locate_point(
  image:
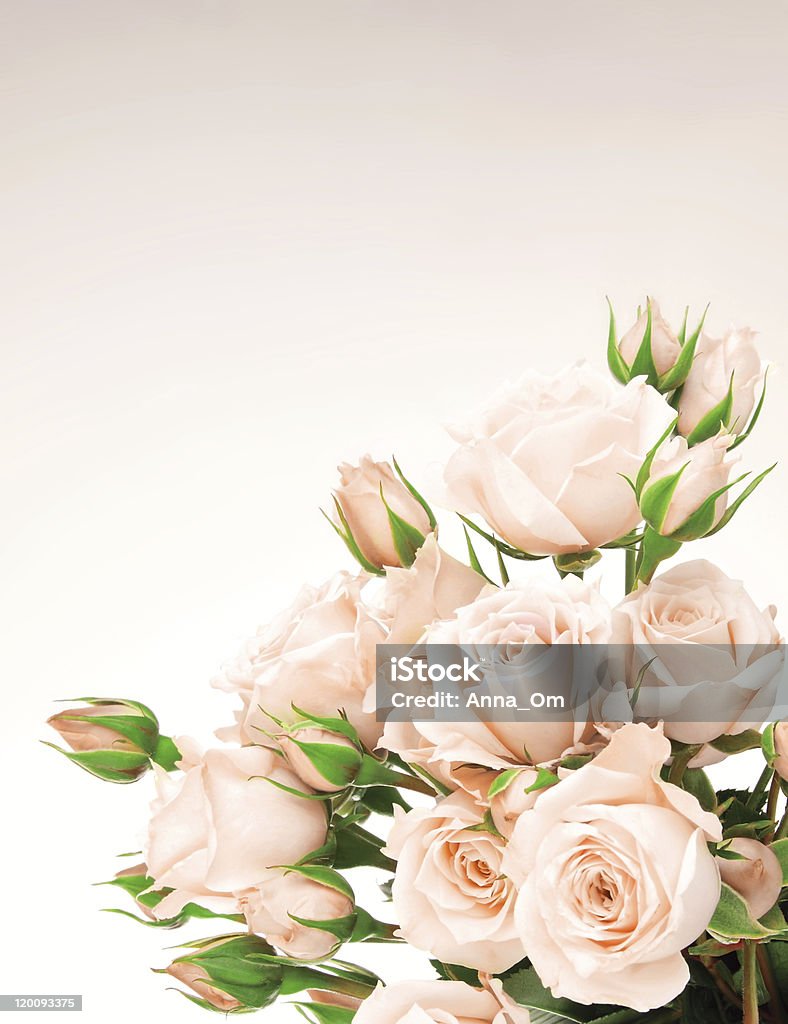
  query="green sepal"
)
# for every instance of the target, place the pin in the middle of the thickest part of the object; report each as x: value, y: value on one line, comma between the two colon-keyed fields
x: 697, y: 782
x: 732, y: 919
x: 338, y: 765
x: 677, y: 375
x: 325, y: 797
x: 166, y: 755
x: 507, y: 549
x: 473, y: 558
x: 502, y: 782
x: 504, y: 572
x: 340, y: 927
x: 407, y: 538
x: 320, y: 1013
x: 702, y: 521
x: 750, y: 739
x: 323, y: 875
x: 350, y: 542
x: 732, y: 509
x: 615, y: 360
x: 657, y: 496
x: 142, y: 731
x: 414, y: 493
x: 645, y: 470
x: 355, y: 847
x: 241, y: 965
x: 780, y: 850
x: 338, y: 725
x: 654, y: 550
x: 576, y: 563
x: 121, y: 766
x: 643, y: 364
x: 544, y: 779
x: 714, y: 420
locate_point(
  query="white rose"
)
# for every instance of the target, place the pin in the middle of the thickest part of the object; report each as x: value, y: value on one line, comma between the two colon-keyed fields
x: 512, y: 619
x: 218, y: 828
x: 319, y: 654
x: 615, y: 877
x: 716, y: 657
x: 440, y: 1002
x: 270, y: 909
x: 705, y: 469
x: 665, y: 346
x: 543, y: 463
x: 716, y: 361
x: 449, y: 892
x: 358, y: 495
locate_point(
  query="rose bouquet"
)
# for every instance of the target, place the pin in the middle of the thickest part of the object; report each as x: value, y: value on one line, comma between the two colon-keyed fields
x: 570, y: 860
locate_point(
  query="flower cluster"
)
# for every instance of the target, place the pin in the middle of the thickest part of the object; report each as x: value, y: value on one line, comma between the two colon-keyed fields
x: 570, y: 867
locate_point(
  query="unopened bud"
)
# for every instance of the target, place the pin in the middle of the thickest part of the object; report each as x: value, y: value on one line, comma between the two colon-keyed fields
x: 231, y: 973
x: 758, y: 878
x: 112, y: 739
x: 324, y: 760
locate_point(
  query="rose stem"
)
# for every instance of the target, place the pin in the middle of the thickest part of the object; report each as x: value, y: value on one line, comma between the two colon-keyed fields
x: 767, y: 972
x: 750, y: 983
x: 774, y: 793
x: 630, y: 569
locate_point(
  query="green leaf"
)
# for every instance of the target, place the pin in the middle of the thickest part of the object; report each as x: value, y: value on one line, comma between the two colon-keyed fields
x: 734, y: 508
x: 422, y: 501
x: 714, y: 420
x: 407, y: 539
x: 732, y: 919
x: 677, y: 375
x: 780, y: 849
x: 697, y: 782
x: 358, y: 848
x: 615, y: 360
x: 525, y: 988
x: 750, y: 739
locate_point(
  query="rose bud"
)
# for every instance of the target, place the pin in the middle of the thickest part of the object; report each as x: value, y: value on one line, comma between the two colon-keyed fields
x: 112, y: 739
x: 324, y: 760
x: 758, y: 878
x: 306, y: 912
x: 229, y: 974
x: 665, y: 345
x: 511, y: 794
x: 721, y: 387
x: 381, y: 518
x: 336, y: 999
x: 685, y: 495
x: 135, y: 881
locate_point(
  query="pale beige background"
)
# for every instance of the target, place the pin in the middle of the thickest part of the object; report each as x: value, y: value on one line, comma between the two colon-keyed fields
x: 244, y: 240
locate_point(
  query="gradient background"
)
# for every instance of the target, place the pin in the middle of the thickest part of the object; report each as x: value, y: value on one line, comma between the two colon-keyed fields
x: 245, y: 240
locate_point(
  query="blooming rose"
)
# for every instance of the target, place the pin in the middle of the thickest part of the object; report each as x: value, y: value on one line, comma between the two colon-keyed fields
x: 449, y: 892
x: 544, y: 462
x: 615, y: 877
x: 704, y: 469
x: 716, y: 361
x: 715, y: 656
x: 219, y: 827
x: 319, y: 654
x: 434, y: 587
x: 505, y: 624
x: 270, y: 909
x: 665, y: 346
x: 440, y: 1002
x: 757, y: 878
x: 358, y: 495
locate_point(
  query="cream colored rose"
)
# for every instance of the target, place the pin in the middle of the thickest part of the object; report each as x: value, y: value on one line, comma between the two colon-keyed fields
x: 705, y: 469
x: 319, y: 654
x: 757, y: 878
x: 358, y: 495
x: 544, y: 462
x: 303, y: 747
x: 505, y: 624
x: 433, y: 588
x: 439, y: 1002
x: 665, y: 346
x: 449, y: 892
x: 781, y: 749
x: 715, y: 656
x: 615, y: 877
x: 716, y: 360
x: 197, y: 979
x: 218, y: 828
x: 270, y: 909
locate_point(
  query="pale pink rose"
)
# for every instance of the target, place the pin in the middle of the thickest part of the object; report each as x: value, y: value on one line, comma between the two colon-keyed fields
x: 270, y: 907
x: 706, y: 469
x: 358, y: 495
x: 716, y: 359
x: 544, y: 461
x: 451, y: 897
x: 434, y: 587
x: 516, y: 617
x: 781, y: 749
x: 87, y: 736
x: 319, y: 654
x: 615, y: 877
x: 758, y: 879
x: 198, y: 981
x: 440, y: 1002
x: 218, y: 828
x: 718, y: 656
x: 665, y: 346
x: 342, y: 751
